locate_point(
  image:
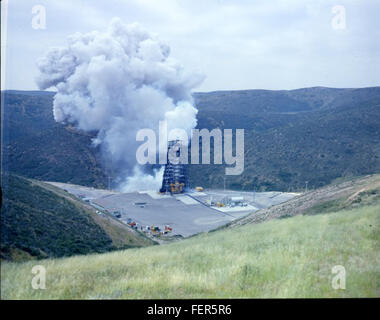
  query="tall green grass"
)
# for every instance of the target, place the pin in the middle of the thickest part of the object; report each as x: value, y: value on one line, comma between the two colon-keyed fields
x: 279, y: 259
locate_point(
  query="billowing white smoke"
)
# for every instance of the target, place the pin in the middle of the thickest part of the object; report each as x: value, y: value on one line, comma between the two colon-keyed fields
x: 115, y: 83
x: 140, y: 181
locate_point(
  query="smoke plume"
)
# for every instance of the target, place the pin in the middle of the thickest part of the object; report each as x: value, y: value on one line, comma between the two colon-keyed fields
x: 115, y: 83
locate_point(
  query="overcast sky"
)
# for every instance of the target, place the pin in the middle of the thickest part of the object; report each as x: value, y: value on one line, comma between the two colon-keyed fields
x: 237, y: 44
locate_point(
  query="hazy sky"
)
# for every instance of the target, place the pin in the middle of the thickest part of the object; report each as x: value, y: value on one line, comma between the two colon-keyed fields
x: 237, y: 44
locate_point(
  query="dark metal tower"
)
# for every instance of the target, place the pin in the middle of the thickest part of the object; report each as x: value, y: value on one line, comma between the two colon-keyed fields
x: 175, y: 179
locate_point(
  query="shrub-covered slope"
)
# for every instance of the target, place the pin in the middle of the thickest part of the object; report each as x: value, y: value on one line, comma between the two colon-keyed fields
x: 38, y: 223
x: 35, y: 146
x: 311, y: 135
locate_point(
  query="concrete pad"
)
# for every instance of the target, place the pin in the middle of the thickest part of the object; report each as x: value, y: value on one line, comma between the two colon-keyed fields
x: 187, y: 214
x: 160, y: 212
x: 236, y: 209
x: 197, y: 194
x: 187, y: 200
x: 82, y: 191
x: 154, y: 194
x: 211, y: 220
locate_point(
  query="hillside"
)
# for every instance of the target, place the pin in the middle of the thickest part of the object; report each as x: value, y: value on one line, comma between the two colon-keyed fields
x: 281, y: 258
x: 40, y: 221
x: 34, y: 145
x: 352, y: 193
x: 311, y: 135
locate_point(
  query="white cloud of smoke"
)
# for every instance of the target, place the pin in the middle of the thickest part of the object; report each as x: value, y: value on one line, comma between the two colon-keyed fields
x: 115, y: 83
x: 140, y: 181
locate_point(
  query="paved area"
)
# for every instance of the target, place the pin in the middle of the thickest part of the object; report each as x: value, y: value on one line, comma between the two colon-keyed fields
x: 258, y: 200
x: 83, y: 192
x: 187, y: 214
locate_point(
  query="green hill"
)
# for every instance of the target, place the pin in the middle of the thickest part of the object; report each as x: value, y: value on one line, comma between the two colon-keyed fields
x: 40, y: 221
x: 35, y: 146
x: 280, y: 258
x: 312, y: 135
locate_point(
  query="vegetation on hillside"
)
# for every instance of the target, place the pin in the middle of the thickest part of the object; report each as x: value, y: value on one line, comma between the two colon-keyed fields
x: 38, y: 221
x: 292, y: 138
x: 35, y: 146
x: 282, y: 258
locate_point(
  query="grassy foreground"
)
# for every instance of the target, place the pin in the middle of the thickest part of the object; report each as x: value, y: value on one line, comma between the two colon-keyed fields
x: 290, y: 257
